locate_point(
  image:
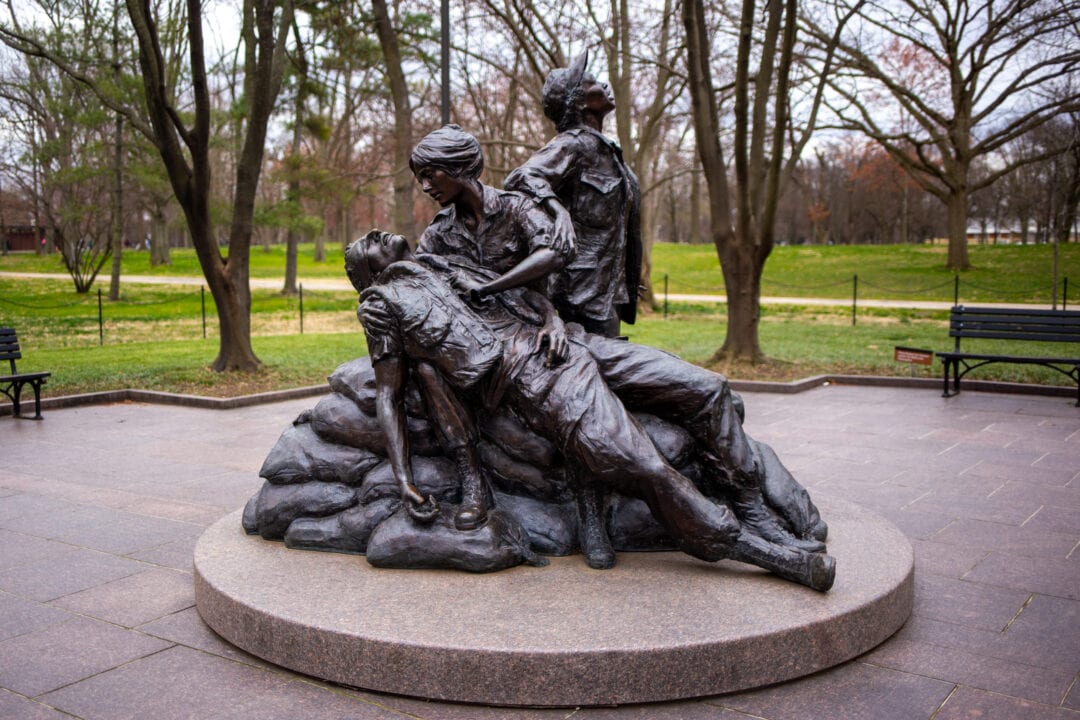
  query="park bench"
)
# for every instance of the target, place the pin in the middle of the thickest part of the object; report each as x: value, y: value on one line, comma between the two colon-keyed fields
x: 12, y: 385
x: 1011, y: 324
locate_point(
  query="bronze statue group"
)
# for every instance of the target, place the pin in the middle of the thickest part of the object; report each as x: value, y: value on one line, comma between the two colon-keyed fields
x: 501, y: 331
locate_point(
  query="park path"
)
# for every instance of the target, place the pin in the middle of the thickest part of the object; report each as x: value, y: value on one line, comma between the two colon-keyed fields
x: 328, y: 284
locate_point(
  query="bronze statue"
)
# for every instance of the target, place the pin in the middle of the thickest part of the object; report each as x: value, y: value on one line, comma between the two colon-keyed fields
x: 581, y: 178
x: 474, y: 378
x: 492, y: 352
x: 505, y: 233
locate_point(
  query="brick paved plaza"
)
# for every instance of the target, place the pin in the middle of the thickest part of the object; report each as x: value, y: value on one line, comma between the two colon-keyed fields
x: 100, y: 508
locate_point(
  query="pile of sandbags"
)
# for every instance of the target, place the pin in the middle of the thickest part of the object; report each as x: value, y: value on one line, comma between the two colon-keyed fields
x: 329, y: 487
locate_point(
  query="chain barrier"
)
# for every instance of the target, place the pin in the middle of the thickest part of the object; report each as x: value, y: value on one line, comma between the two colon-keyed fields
x: 335, y: 297
x: 146, y: 303
x: 900, y: 291
x: 43, y: 307
x: 854, y: 282
x: 822, y: 286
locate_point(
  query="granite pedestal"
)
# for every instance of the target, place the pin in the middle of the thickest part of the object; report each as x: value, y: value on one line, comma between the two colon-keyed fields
x: 659, y: 626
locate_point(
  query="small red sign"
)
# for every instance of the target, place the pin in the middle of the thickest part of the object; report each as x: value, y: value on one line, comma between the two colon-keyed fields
x: 913, y: 355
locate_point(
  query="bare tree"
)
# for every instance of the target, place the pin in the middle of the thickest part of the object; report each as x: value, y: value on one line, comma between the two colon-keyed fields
x: 399, y: 92
x: 63, y: 133
x: 940, y: 84
x: 183, y: 141
x: 744, y: 235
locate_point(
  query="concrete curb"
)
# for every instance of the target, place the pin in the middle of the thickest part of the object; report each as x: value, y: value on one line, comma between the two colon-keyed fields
x: 785, y: 388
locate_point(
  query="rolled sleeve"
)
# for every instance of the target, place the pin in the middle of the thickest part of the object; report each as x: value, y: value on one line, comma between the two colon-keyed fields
x: 542, y: 174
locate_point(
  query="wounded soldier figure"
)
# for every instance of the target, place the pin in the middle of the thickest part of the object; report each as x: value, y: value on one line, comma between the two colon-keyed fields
x: 510, y: 350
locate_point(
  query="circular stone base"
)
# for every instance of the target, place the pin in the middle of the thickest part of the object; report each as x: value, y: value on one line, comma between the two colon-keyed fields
x: 659, y: 626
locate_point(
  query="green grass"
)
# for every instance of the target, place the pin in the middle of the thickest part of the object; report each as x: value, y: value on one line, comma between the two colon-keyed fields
x: 264, y: 263
x: 1000, y: 273
x: 153, y: 336
x: 182, y: 366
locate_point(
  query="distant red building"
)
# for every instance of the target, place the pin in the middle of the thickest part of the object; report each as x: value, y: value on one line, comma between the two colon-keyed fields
x: 22, y: 237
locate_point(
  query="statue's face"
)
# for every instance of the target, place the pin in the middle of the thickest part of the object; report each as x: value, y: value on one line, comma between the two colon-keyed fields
x: 368, y: 257
x: 596, y: 96
x: 439, y: 185
x: 385, y: 250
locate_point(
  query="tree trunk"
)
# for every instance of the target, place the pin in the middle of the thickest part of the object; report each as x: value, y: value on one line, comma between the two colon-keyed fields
x: 292, y: 245
x: 190, y: 180
x: 742, y: 277
x: 957, y: 212
x: 694, y: 233
x: 292, y: 241
x: 399, y: 91
x: 117, y: 238
x: 159, y: 241
x: 234, y: 317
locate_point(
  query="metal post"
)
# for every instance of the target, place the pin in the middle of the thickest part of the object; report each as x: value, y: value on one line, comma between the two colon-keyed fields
x: 956, y: 290
x: 100, y: 320
x: 301, y: 308
x: 854, y: 296
x: 1065, y: 293
x: 665, y: 296
x: 202, y: 296
x: 445, y: 95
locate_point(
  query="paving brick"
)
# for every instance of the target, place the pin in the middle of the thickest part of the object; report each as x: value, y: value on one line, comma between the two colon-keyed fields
x: 68, y: 652
x: 176, y: 555
x: 19, y: 616
x: 1055, y: 519
x: 135, y: 599
x: 968, y: 703
x: 1011, y: 539
x: 947, y: 560
x: 1041, y: 575
x: 855, y: 690
x: 1038, y: 684
x: 16, y: 509
x: 211, y: 687
x: 966, y: 603
x: 985, y: 509
x: 22, y: 549
x: 1034, y: 474
x: 1061, y: 460
x: 917, y: 524
x: 17, y: 707
x: 187, y: 628
x: 1047, y: 627
x: 75, y: 571
x: 119, y: 532
x: 1072, y: 700
x: 1066, y: 496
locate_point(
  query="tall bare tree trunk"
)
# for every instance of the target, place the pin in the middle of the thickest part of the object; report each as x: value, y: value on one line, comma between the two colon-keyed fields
x: 399, y: 92
x: 956, y: 208
x: 118, y: 205
x: 159, y: 239
x: 292, y: 240
x: 758, y: 150
x: 742, y: 278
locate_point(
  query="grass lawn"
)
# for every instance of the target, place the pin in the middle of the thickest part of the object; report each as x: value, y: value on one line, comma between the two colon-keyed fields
x: 1000, y: 273
x: 153, y: 336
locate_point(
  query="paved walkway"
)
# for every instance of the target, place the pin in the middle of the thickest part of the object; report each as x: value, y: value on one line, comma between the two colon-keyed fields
x: 100, y: 508
x: 342, y: 285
